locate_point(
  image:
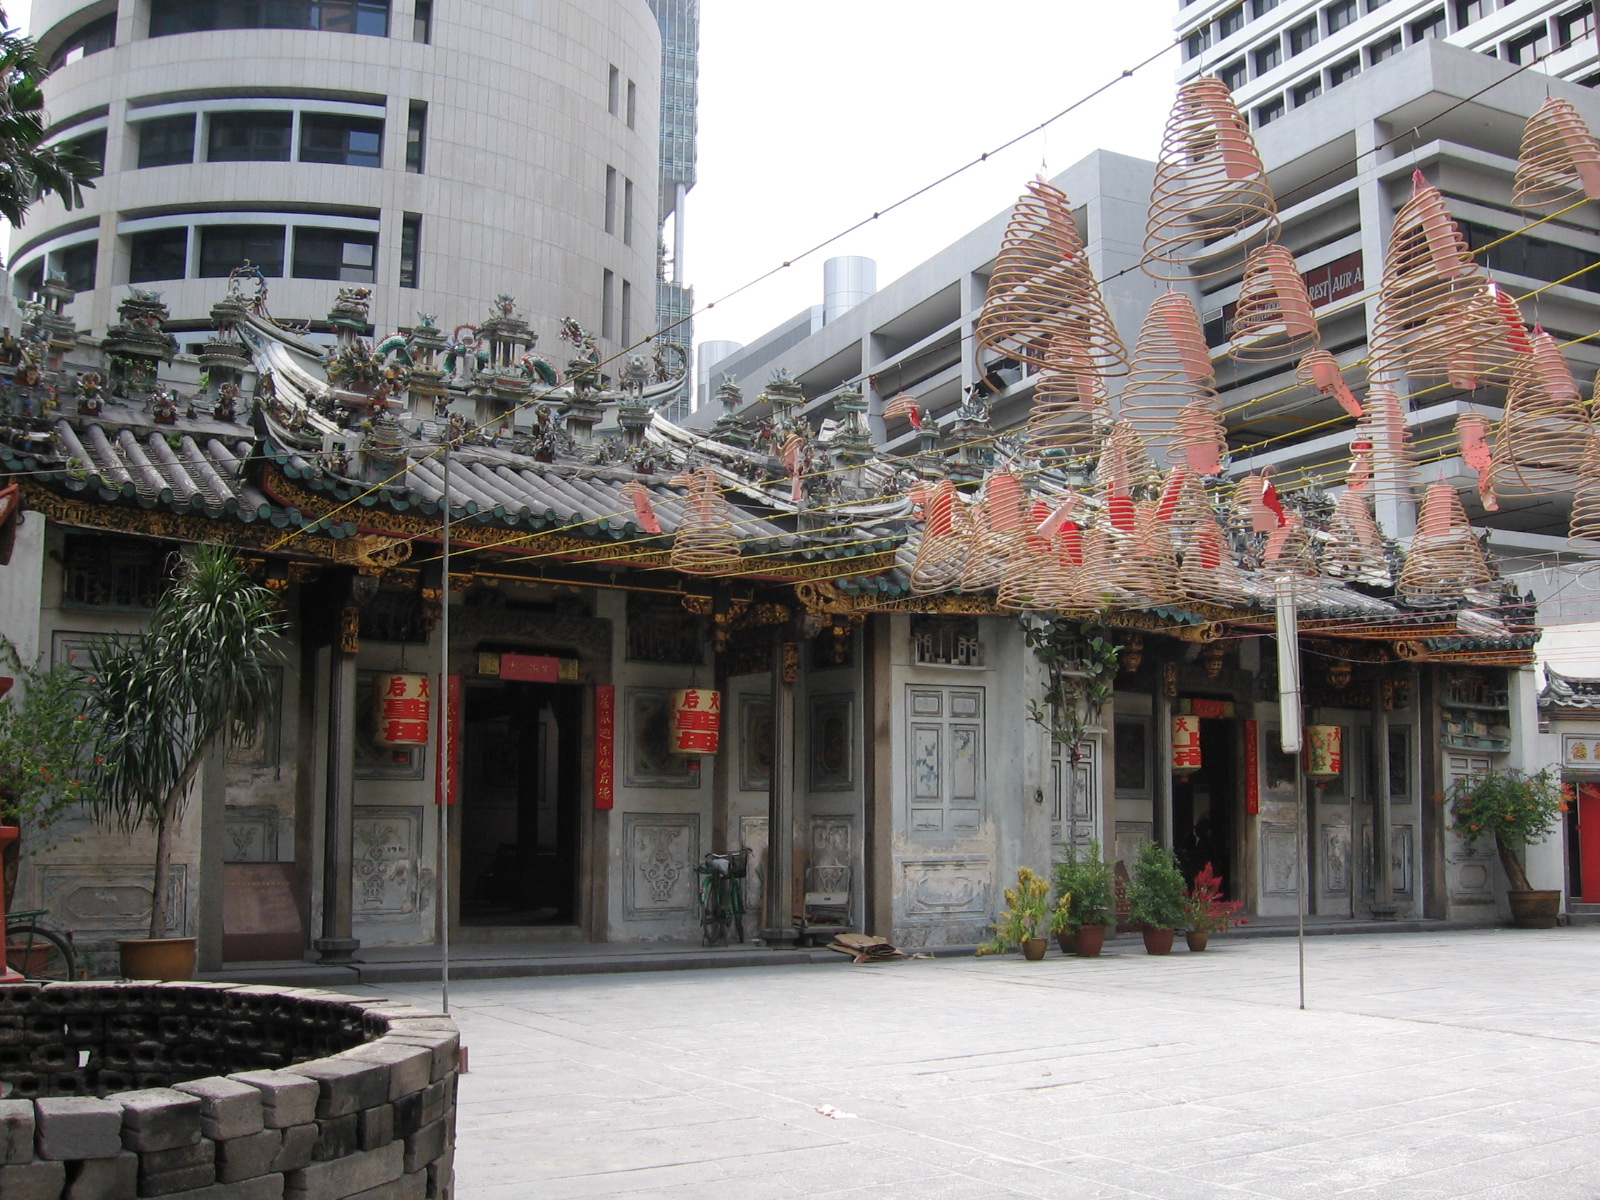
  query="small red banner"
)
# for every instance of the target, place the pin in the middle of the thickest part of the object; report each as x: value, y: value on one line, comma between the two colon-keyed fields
x: 1210, y: 708
x: 447, y: 773
x: 538, y: 668
x: 605, y: 739
x: 1252, y: 768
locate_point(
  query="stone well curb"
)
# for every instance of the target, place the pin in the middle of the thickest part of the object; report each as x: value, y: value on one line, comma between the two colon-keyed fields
x: 207, y: 1091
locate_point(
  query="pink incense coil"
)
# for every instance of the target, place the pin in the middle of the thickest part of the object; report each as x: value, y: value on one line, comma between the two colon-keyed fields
x: 1540, y: 442
x: 1383, y: 438
x: 1559, y: 161
x: 1289, y: 549
x: 1583, y: 530
x: 1171, y: 372
x: 1124, y: 464
x: 1042, y: 297
x: 1209, y: 186
x: 1494, y: 340
x: 1069, y: 410
x: 1208, y: 571
x: 1424, y: 316
x: 643, y: 510
x: 1354, y: 549
x: 1035, y: 576
x: 1273, y: 320
x: 1445, y: 562
x: 705, y: 543
x: 1473, y: 432
x: 943, y: 548
x: 1320, y: 370
x: 999, y: 534
x: 904, y: 407
x: 1143, y: 565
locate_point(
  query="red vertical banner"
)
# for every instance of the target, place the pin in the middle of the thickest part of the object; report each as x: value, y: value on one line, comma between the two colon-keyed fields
x: 605, y: 744
x: 1252, y: 768
x: 447, y: 773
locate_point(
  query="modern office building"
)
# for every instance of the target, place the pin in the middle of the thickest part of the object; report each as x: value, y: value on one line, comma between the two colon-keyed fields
x: 437, y: 154
x: 680, y: 96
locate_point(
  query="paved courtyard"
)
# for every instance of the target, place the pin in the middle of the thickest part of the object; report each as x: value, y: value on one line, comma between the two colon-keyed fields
x: 1443, y: 1065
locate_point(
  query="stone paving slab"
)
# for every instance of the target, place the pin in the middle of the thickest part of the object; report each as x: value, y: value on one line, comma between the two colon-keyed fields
x: 1448, y: 1065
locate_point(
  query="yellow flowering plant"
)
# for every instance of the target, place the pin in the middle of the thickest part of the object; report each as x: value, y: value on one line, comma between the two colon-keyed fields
x: 1027, y: 913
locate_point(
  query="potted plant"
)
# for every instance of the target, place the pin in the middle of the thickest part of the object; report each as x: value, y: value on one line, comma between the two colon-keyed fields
x: 197, y: 678
x: 1156, y: 896
x: 1025, y: 919
x: 1517, y: 808
x: 1086, y: 882
x: 1206, y: 911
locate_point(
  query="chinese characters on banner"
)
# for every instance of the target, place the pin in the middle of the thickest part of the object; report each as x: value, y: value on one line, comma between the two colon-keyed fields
x: 1252, y: 768
x: 1324, y: 751
x: 605, y: 744
x: 447, y: 775
x: 1185, y: 743
x: 696, y: 721
x: 404, y: 709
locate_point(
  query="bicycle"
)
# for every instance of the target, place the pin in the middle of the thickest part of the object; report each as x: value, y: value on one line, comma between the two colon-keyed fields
x: 37, y: 951
x: 722, y: 895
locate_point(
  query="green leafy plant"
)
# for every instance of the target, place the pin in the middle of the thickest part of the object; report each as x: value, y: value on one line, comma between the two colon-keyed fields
x: 1515, y: 806
x: 199, y: 676
x: 32, y: 169
x: 1156, y: 891
x: 1080, y: 666
x: 1026, y: 916
x: 1089, y: 883
x: 1205, y: 909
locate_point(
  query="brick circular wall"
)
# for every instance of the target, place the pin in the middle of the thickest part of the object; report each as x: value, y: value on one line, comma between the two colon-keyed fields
x: 110, y: 1091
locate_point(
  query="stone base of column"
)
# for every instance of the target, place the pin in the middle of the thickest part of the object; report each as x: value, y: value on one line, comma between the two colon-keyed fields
x: 336, y: 949
x: 1385, y: 912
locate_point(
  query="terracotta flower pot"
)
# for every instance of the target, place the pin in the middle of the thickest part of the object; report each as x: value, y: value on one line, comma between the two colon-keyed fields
x: 1067, y: 939
x: 157, y: 958
x: 1033, y: 948
x: 1090, y: 939
x: 1534, y: 910
x: 1157, y: 941
x: 1196, y: 939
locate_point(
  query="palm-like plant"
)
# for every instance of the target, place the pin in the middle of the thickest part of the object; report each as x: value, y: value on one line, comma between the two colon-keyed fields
x: 29, y: 168
x: 198, y: 676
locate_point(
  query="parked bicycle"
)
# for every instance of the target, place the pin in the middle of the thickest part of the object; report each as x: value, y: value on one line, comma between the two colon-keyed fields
x: 37, y: 950
x: 722, y: 896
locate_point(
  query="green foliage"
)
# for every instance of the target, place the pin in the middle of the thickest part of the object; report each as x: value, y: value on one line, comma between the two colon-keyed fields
x: 1080, y: 664
x: 1156, y: 892
x: 1089, y: 883
x: 1027, y: 914
x: 28, y: 168
x: 46, y: 742
x: 1515, y: 806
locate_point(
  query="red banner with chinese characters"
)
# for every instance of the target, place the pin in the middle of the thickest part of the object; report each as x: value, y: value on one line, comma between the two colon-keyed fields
x: 696, y: 721
x: 1252, y: 768
x: 404, y: 708
x: 538, y: 668
x: 605, y: 744
x: 447, y: 774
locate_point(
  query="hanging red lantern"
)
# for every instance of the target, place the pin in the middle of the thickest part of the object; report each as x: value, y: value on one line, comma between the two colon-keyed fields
x: 1186, y: 744
x: 1324, y: 753
x: 404, y: 710
x: 696, y: 721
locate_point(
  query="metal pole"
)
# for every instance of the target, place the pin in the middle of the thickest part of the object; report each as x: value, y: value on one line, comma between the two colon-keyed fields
x: 443, y: 765
x: 1291, y: 718
x: 1300, y: 867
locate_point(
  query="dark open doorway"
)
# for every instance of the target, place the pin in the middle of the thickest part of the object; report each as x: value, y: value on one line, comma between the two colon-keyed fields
x: 520, y: 807
x: 1203, y: 803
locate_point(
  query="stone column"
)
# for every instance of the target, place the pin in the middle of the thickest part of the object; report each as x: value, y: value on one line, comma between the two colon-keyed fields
x: 780, y: 799
x: 337, y: 943
x: 1383, y: 905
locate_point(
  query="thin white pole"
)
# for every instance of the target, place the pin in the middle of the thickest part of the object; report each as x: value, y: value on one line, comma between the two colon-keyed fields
x: 443, y: 765
x: 1291, y: 719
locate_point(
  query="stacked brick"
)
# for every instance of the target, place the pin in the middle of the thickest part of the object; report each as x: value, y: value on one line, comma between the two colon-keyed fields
x: 103, y: 1095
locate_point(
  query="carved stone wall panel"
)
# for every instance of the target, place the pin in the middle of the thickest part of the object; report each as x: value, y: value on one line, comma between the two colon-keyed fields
x: 832, y: 839
x: 1280, y: 859
x: 660, y: 852
x: 252, y: 832
x: 945, y: 887
x: 1130, y: 835
x: 1471, y: 872
x: 103, y: 901
x: 1334, y: 864
x: 753, y: 833
x: 387, y: 852
x: 1402, y: 839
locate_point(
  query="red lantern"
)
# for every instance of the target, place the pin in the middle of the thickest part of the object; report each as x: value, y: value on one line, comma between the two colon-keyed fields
x: 404, y: 710
x: 1185, y: 744
x: 1324, y: 752
x: 696, y: 721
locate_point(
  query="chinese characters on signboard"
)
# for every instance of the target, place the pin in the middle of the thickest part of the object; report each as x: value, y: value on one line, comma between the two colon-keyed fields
x: 605, y: 744
x: 1185, y: 743
x: 448, y: 773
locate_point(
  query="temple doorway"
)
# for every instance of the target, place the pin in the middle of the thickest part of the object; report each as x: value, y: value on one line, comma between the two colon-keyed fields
x: 1203, y: 807
x: 520, y: 804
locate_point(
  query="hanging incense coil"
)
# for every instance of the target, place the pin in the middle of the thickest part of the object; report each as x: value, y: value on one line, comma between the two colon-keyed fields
x: 1273, y: 320
x: 1207, y: 570
x: 998, y: 534
x: 1354, y: 549
x: 1494, y: 341
x: 1169, y: 394
x: 943, y: 548
x: 1583, y: 531
x: 1209, y: 186
x: 1069, y: 406
x: 1034, y: 576
x: 1472, y: 431
x: 1124, y: 464
x: 705, y: 542
x: 1559, y: 161
x: 1429, y: 280
x: 1382, y: 458
x: 1321, y: 370
x: 1540, y: 442
x: 1289, y: 549
x: 1446, y: 561
x: 1042, y: 291
x: 1144, y: 565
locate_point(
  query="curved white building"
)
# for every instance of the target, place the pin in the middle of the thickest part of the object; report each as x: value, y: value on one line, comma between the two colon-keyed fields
x: 495, y: 146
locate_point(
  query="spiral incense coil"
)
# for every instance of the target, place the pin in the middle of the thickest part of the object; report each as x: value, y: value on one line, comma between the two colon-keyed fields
x: 999, y: 534
x: 1321, y: 370
x: 1209, y: 185
x: 1424, y: 316
x: 1559, y: 161
x: 1383, y: 460
x: 1184, y: 506
x: 1273, y: 320
x: 943, y: 548
x: 1494, y: 344
x: 1087, y: 566
x: 1144, y: 566
x: 1124, y: 464
x: 705, y: 543
x: 1354, y: 549
x: 1289, y: 549
x: 1069, y: 406
x: 904, y: 406
x: 1540, y: 443
x: 1033, y: 574
x: 1169, y: 394
x: 1042, y: 290
x: 1445, y: 561
x: 1583, y: 531
x: 1207, y: 571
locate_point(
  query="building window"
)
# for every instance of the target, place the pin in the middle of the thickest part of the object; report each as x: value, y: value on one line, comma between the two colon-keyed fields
x: 608, y: 304
x: 76, y: 265
x: 1343, y: 72
x: 422, y: 22
x: 614, y: 92
x: 611, y: 201
x: 1340, y: 14
x: 627, y: 313
x: 1429, y: 27
x: 91, y: 39
x: 1269, y: 112
x: 1575, y: 25
x: 335, y: 254
x: 1309, y: 90
x: 1383, y: 48
x: 1302, y: 37
x: 1230, y: 22
x: 1532, y: 257
x: 1267, y: 57
x: 158, y: 254
x: 248, y: 136
x: 370, y: 17
x: 345, y: 141
x: 91, y: 146
x: 660, y: 630
x: 627, y: 212
x: 1530, y: 47
x: 633, y: 103
x: 1197, y: 42
x: 410, y: 248
x: 1468, y: 11
x: 1260, y: 8
x: 1233, y: 75
x: 114, y: 572
x: 416, y: 135
x: 224, y: 247
x: 166, y: 140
